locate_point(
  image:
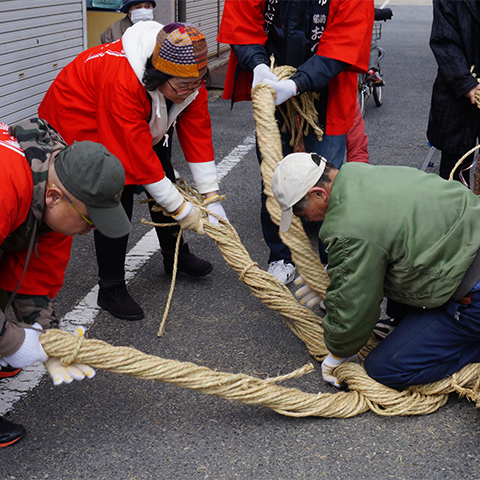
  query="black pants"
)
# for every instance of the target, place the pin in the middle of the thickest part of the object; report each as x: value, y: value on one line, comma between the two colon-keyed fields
x: 111, y: 252
x: 448, y: 161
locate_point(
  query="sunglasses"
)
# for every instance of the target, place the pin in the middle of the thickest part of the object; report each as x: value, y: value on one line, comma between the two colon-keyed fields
x: 90, y: 223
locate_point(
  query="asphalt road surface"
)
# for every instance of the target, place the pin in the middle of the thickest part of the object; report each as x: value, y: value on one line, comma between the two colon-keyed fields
x: 117, y: 427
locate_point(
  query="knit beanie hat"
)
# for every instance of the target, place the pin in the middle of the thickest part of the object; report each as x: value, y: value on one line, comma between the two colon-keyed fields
x: 129, y: 3
x: 180, y: 51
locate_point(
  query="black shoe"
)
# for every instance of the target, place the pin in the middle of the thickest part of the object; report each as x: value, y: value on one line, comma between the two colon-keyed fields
x: 384, y: 328
x: 7, y: 372
x: 10, y: 433
x: 187, y: 263
x: 114, y: 298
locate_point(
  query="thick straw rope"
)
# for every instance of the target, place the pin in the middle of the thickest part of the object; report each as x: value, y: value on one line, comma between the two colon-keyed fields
x: 365, y: 393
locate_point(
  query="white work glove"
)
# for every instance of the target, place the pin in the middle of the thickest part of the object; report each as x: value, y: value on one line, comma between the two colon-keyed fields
x: 260, y: 73
x: 330, y: 364
x: 285, y: 89
x: 75, y: 371
x: 31, y: 350
x: 217, y: 209
x: 306, y: 296
x: 190, y: 218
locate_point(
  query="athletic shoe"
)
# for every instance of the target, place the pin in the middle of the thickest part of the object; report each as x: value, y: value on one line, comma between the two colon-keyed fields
x: 10, y: 433
x: 284, y: 272
x: 8, y: 371
x: 384, y: 328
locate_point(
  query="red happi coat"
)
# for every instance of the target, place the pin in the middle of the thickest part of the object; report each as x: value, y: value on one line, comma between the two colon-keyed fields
x: 46, y: 268
x: 346, y: 38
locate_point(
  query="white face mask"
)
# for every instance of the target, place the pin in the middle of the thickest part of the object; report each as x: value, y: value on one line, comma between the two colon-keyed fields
x: 141, y: 15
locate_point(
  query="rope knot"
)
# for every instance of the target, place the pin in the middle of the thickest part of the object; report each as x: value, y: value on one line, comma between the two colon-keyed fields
x: 245, y: 269
x: 471, y: 393
x: 76, y: 345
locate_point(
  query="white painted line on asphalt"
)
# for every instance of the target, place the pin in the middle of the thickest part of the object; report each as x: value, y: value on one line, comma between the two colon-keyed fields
x: 234, y: 157
x: 84, y: 314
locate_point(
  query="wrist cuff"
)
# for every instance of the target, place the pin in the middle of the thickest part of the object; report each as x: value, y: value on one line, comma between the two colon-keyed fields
x: 205, y: 176
x: 187, y: 208
x: 165, y: 194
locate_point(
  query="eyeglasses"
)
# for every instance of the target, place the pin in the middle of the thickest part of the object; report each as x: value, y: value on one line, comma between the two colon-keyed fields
x: 90, y: 223
x: 181, y: 91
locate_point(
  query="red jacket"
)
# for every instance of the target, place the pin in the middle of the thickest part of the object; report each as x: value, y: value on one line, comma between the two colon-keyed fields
x: 46, y: 268
x: 98, y: 97
x: 346, y: 38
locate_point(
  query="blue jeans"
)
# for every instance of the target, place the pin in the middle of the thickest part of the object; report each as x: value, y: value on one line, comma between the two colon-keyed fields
x: 332, y: 147
x: 428, y: 345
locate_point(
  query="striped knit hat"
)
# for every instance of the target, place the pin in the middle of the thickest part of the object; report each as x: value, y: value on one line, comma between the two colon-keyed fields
x: 180, y: 51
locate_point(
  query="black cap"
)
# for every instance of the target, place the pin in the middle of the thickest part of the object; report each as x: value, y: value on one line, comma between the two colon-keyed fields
x: 92, y: 174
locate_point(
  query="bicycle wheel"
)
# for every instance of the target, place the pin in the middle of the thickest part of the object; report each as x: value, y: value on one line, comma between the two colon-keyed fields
x: 361, y: 95
x: 377, y: 95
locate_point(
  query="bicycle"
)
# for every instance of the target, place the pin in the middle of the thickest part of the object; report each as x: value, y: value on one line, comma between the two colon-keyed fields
x: 367, y: 88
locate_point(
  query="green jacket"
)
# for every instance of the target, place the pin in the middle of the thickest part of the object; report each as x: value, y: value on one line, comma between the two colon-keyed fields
x: 395, y: 232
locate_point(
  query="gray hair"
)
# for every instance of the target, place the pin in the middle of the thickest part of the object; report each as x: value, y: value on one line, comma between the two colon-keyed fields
x: 323, y: 181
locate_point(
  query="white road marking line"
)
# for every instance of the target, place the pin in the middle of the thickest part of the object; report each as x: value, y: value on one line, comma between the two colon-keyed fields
x: 84, y: 314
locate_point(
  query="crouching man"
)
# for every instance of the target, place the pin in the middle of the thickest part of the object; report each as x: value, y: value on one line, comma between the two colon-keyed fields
x: 50, y: 191
x: 396, y: 232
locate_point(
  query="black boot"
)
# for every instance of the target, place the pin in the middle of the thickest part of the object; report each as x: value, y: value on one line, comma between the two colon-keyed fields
x: 187, y: 262
x: 10, y: 432
x: 114, y: 298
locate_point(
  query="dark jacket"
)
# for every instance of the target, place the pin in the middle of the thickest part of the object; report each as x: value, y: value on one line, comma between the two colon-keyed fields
x: 455, y: 42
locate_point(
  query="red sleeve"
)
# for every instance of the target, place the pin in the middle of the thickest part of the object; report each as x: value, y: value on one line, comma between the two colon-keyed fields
x: 348, y: 33
x: 194, y: 130
x: 17, y: 184
x: 357, y: 140
x: 243, y: 22
x: 45, y: 273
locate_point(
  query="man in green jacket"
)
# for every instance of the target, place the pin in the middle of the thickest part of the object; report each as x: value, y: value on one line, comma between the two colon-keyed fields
x: 400, y: 233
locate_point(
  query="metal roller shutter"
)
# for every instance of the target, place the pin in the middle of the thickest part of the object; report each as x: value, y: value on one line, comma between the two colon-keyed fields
x: 206, y: 15
x: 37, y: 40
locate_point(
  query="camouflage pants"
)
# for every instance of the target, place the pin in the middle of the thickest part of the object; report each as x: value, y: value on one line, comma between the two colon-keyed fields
x: 31, y: 308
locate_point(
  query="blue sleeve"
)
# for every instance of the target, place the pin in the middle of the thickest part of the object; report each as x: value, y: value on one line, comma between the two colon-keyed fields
x: 249, y: 56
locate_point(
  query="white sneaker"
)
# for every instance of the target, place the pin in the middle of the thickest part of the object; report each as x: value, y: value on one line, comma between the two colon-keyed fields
x: 285, y: 272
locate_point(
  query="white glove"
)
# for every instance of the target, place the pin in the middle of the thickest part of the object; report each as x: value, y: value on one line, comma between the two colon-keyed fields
x: 190, y: 218
x: 75, y: 371
x: 329, y: 365
x: 285, y: 89
x: 217, y: 209
x: 61, y: 374
x: 260, y: 73
x: 306, y: 296
x: 31, y: 350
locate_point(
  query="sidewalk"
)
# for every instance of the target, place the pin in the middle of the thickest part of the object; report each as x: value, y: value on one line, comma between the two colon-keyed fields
x: 217, y: 77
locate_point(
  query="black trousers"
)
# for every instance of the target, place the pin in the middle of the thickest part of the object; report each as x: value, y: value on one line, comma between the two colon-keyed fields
x: 111, y: 252
x: 448, y: 161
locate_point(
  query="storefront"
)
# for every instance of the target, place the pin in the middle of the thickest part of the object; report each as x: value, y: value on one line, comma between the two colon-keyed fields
x: 37, y: 39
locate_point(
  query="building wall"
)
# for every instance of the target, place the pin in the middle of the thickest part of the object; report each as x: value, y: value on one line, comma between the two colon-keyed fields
x: 38, y: 38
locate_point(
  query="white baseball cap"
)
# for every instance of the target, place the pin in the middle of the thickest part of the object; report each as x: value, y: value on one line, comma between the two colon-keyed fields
x: 293, y: 177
